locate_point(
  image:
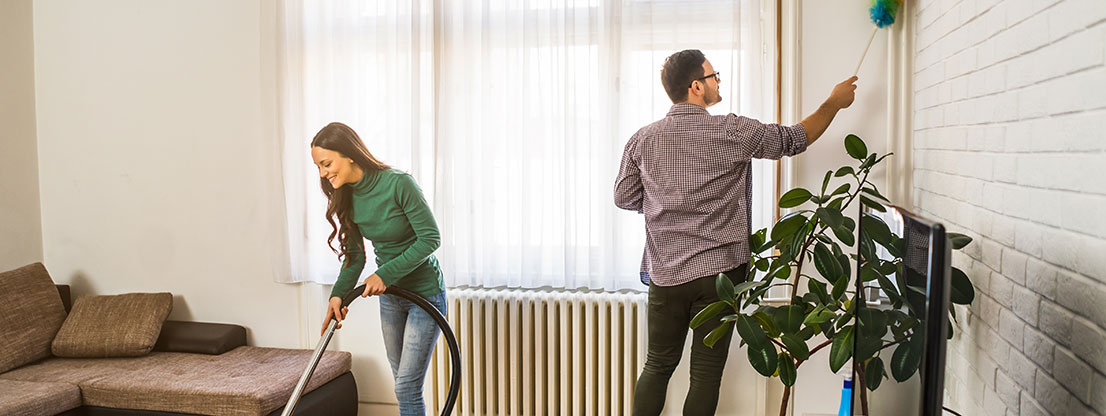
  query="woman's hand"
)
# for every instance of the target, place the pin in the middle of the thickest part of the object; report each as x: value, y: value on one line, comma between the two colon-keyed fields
x: 374, y: 285
x: 336, y: 311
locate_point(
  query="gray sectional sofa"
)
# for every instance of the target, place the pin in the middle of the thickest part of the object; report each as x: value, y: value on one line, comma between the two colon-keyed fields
x: 194, y: 368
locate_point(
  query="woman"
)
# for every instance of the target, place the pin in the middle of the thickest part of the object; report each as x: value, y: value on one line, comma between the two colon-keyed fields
x: 370, y: 200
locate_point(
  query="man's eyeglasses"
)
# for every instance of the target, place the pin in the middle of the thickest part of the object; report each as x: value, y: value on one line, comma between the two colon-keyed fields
x: 717, y: 78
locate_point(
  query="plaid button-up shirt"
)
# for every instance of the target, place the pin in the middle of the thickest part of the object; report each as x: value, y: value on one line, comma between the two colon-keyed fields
x: 690, y: 174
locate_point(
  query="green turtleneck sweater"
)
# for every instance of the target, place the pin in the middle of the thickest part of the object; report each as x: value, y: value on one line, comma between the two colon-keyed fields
x: 390, y: 211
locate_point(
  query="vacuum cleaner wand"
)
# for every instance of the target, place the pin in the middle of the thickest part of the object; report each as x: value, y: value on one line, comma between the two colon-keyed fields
x: 447, y: 332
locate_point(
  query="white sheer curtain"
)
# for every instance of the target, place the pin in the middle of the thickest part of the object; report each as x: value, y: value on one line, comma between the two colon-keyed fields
x: 366, y: 64
x: 512, y: 116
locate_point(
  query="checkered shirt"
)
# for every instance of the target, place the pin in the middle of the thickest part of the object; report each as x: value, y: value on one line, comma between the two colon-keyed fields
x: 690, y: 174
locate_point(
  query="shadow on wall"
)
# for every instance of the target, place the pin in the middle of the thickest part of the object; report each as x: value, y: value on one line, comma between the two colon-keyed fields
x: 181, y: 312
x: 81, y: 285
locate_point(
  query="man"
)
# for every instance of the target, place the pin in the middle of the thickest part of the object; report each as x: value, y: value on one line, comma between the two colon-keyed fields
x: 690, y: 174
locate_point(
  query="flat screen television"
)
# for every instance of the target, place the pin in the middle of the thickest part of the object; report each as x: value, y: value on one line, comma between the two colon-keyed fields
x: 902, y: 281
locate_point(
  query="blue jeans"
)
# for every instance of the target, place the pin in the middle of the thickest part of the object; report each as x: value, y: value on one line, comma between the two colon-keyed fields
x: 409, y: 337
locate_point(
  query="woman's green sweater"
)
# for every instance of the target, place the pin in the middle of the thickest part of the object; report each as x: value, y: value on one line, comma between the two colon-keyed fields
x: 390, y: 211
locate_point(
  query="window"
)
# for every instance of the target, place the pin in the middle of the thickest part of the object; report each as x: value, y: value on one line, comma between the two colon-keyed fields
x: 512, y: 116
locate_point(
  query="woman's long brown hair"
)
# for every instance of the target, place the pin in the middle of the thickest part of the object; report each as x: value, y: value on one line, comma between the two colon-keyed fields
x: 341, y: 138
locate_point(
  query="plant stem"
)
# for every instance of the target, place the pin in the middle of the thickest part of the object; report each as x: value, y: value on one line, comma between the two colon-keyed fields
x: 859, y: 186
x: 799, y: 268
x: 801, y: 258
x: 795, y: 288
x: 814, y: 236
x: 820, y: 346
x: 863, y: 385
x: 782, y: 347
x: 786, y: 397
x: 893, y: 343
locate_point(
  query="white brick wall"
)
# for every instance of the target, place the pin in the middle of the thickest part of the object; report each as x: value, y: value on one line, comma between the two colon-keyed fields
x: 1010, y: 148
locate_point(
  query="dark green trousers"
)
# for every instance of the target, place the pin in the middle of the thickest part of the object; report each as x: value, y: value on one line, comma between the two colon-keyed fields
x: 670, y: 311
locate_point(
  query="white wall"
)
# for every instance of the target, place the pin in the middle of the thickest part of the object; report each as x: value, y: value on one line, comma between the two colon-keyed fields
x: 20, y: 224
x: 157, y: 172
x: 160, y: 169
x: 1009, y: 145
x: 833, y: 36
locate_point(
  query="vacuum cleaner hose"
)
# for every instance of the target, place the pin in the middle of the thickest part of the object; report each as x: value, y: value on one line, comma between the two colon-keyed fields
x: 447, y: 332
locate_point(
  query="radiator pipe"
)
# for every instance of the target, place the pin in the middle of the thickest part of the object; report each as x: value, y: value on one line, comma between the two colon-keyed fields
x: 447, y: 332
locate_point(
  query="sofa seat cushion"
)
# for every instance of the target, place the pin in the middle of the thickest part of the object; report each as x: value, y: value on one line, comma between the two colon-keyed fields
x: 31, y: 313
x: 243, y: 381
x: 28, y: 398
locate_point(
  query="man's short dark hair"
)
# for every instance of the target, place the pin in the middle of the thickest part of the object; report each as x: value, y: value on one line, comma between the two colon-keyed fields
x: 679, y: 71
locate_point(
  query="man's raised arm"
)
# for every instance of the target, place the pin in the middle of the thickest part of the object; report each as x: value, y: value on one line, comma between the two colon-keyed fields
x: 841, y: 98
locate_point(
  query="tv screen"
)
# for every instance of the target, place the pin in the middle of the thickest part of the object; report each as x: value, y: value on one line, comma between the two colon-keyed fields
x: 901, y: 313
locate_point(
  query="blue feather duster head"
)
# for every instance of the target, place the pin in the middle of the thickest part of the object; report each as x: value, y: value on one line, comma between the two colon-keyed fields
x: 883, y: 12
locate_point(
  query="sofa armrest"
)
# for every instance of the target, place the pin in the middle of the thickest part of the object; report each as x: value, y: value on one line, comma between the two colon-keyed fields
x: 200, y: 337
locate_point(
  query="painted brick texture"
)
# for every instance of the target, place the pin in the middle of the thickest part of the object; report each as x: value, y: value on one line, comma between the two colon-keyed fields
x: 1009, y: 147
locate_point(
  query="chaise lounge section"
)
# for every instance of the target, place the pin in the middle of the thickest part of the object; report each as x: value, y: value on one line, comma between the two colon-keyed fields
x: 194, y: 369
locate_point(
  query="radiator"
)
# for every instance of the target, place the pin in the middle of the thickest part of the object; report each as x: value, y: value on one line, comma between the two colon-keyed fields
x: 535, y: 352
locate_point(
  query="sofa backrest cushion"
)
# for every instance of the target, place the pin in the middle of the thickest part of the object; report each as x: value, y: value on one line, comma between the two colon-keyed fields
x: 113, y: 326
x: 30, y: 314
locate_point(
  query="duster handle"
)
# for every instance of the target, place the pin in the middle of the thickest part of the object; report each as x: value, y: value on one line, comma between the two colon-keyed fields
x: 870, y: 38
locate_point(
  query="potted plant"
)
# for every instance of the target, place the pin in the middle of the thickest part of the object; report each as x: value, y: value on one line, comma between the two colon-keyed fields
x: 776, y: 336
